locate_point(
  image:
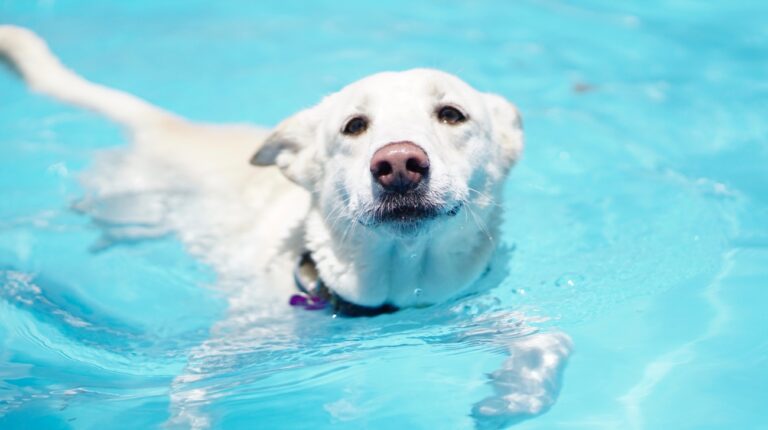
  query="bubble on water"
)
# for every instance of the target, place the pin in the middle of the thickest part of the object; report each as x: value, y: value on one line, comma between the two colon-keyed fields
x: 417, y: 292
x: 58, y: 169
x: 570, y: 280
x: 478, y: 305
x: 714, y: 188
x: 412, y: 256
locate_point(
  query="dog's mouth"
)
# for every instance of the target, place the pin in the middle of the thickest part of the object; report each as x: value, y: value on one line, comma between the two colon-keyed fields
x: 407, y: 213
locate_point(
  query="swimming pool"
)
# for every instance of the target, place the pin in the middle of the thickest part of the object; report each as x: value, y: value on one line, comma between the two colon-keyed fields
x: 638, y: 218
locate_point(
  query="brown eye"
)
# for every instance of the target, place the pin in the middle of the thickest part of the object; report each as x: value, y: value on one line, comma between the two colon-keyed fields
x: 355, y: 126
x: 450, y: 115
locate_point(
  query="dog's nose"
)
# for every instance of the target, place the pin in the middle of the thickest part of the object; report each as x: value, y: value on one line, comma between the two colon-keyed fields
x: 399, y: 166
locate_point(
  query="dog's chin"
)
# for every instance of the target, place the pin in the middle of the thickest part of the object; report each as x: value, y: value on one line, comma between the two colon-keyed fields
x: 402, y: 216
x: 407, y: 222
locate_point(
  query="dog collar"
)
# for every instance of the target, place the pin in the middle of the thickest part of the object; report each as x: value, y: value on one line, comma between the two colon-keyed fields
x: 314, y: 295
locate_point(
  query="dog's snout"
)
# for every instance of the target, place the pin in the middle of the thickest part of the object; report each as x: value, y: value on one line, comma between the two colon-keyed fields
x: 399, y: 166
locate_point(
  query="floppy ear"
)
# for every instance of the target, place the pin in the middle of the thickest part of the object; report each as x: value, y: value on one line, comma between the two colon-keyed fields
x: 291, y: 147
x: 507, y: 127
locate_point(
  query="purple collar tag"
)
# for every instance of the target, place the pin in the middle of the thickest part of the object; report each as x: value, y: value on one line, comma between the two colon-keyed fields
x: 308, y: 302
x: 314, y: 295
x: 311, y: 288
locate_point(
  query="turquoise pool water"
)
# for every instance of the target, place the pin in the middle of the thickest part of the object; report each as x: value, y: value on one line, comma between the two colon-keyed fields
x: 638, y: 218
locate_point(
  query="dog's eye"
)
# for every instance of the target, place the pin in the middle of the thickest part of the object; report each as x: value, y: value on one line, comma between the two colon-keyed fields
x: 450, y: 115
x: 355, y: 126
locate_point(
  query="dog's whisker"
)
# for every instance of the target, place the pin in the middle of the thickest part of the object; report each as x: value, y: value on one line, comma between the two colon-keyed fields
x: 489, y: 199
x: 481, y: 225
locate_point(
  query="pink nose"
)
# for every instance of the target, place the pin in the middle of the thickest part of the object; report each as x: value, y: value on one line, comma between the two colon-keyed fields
x: 399, y: 166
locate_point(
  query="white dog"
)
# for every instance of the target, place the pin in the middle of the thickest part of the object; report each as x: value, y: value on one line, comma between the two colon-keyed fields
x: 384, y: 195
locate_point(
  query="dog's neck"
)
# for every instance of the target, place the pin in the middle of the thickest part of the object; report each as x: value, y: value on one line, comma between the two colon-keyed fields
x: 370, y: 268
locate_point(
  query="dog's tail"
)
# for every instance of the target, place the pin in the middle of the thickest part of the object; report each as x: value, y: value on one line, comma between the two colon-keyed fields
x: 28, y: 54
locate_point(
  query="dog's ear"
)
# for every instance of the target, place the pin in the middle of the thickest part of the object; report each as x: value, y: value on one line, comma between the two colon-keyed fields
x: 507, y: 127
x: 291, y: 147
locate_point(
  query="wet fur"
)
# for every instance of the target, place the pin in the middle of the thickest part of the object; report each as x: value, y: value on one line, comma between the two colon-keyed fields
x: 313, y: 192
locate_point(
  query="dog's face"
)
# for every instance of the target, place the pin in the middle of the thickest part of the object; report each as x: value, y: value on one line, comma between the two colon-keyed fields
x: 398, y: 152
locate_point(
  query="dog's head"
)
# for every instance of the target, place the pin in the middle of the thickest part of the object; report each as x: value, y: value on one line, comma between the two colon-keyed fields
x: 392, y: 160
x: 397, y: 152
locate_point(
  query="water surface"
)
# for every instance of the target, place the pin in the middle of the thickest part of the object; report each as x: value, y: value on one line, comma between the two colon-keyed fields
x: 638, y: 218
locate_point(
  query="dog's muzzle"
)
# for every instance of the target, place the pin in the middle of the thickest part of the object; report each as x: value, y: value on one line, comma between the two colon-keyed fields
x: 406, y: 214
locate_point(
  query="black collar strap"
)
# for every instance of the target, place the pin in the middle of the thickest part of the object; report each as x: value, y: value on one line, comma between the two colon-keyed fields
x: 315, y: 295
